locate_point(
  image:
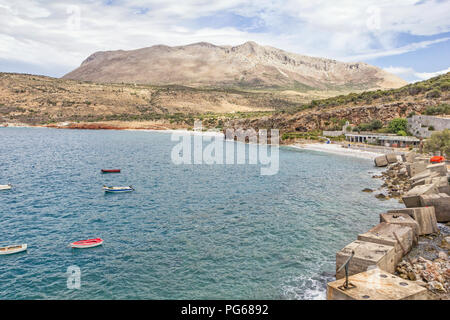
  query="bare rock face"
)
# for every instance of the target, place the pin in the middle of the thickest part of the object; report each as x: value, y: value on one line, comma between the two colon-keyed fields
x: 249, y: 64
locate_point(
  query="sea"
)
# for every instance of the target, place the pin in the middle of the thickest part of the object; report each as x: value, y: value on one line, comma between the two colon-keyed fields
x: 188, y: 231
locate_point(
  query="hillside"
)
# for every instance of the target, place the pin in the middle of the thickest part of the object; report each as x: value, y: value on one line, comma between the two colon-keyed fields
x: 431, y: 96
x: 245, y: 66
x: 39, y: 100
x: 43, y: 100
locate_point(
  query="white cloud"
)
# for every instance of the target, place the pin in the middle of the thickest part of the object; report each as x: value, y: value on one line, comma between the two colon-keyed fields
x: 41, y: 32
x: 395, y: 51
x: 410, y: 73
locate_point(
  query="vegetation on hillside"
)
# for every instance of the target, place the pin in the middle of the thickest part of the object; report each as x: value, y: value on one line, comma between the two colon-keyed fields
x: 439, y: 141
x: 431, y: 89
x: 442, y: 109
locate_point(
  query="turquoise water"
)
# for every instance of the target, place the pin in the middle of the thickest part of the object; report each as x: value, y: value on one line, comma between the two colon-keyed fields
x: 188, y: 232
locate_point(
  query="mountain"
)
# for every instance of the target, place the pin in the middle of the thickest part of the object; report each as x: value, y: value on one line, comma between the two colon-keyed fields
x: 248, y: 65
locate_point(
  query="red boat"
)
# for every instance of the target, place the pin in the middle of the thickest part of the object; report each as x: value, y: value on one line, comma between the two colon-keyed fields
x: 110, y: 170
x: 87, y: 243
x: 437, y: 159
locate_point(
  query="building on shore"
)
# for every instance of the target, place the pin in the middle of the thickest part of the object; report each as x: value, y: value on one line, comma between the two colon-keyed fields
x: 337, y: 133
x: 387, y: 140
x: 424, y: 126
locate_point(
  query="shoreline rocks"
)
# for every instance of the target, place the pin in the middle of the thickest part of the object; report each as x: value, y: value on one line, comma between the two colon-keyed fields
x: 421, y: 250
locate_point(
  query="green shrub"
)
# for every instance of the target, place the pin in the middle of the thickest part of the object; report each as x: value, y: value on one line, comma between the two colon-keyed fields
x: 398, y: 124
x: 443, y: 108
x: 435, y: 93
x: 439, y: 141
x: 376, y: 124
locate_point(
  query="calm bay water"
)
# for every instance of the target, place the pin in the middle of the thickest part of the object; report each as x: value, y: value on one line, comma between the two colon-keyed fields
x: 188, y: 232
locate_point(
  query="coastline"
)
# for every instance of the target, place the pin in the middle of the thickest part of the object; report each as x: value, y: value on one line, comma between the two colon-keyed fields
x: 332, y: 148
x: 336, y: 149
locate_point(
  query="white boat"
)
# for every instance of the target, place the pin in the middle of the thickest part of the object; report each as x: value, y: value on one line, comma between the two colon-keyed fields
x: 5, y: 186
x: 118, y: 189
x: 13, y: 249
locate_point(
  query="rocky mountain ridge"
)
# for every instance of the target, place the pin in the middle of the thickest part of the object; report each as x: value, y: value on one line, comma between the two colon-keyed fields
x: 247, y: 65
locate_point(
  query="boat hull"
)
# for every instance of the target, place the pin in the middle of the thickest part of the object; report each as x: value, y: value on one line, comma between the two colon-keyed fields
x: 118, y: 189
x: 13, y: 249
x: 84, y: 244
x: 111, y: 171
x: 5, y: 187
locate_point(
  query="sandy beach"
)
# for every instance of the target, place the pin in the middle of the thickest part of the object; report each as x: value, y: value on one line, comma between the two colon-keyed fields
x: 337, y: 149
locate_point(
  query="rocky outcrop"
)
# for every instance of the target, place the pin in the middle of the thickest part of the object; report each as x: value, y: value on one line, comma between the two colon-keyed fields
x: 434, y: 275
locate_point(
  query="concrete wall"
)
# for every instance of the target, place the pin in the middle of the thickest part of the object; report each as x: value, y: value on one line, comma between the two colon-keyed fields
x: 332, y: 133
x: 415, y: 125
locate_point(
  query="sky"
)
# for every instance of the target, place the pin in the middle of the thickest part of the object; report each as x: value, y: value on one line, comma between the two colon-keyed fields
x: 410, y: 38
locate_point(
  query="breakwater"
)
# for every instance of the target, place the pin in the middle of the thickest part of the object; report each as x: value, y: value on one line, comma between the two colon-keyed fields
x: 384, y: 262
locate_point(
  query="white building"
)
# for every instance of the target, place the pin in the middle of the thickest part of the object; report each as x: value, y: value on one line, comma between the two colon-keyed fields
x: 387, y: 140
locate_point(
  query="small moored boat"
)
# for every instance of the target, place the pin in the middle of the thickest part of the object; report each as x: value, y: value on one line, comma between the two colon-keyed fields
x: 118, y: 189
x: 5, y: 186
x: 110, y: 170
x: 13, y: 249
x: 89, y: 243
x: 437, y: 159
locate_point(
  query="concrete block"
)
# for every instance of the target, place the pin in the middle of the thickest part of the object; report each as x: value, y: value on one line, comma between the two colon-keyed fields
x: 415, y: 168
x: 423, y: 189
x: 444, y: 189
x: 409, y: 157
x: 402, y: 219
x: 383, y: 233
x: 391, y: 158
x: 425, y: 218
x: 440, y: 181
x: 441, y: 204
x: 376, y: 284
x: 440, y: 168
x: 421, y: 182
x: 367, y: 254
x: 424, y: 174
x: 411, y: 201
x: 428, y: 180
x: 422, y: 159
x: 381, y: 161
x: 412, y: 198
